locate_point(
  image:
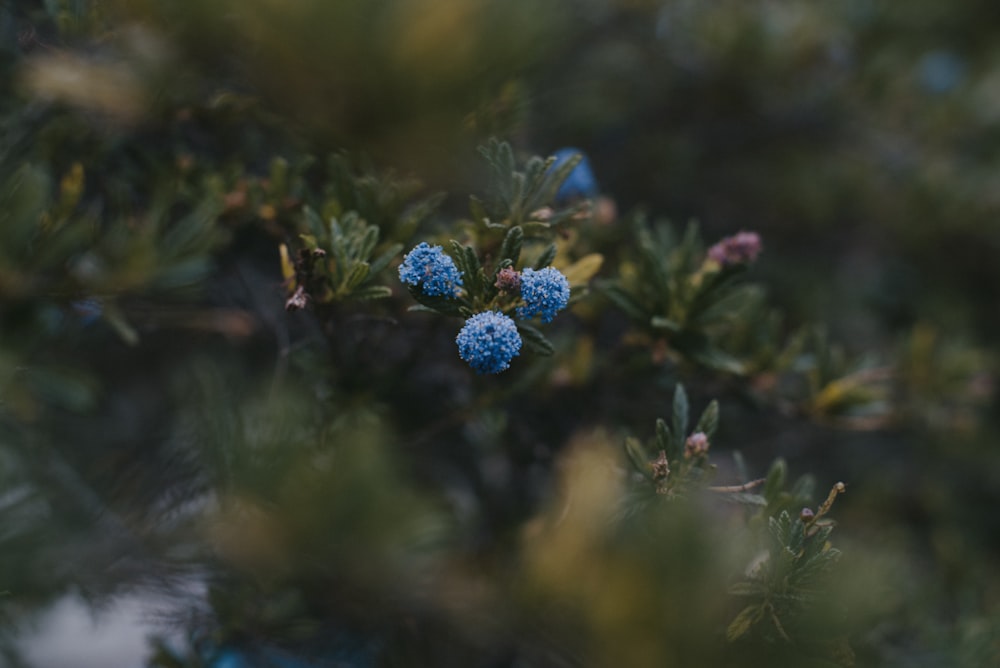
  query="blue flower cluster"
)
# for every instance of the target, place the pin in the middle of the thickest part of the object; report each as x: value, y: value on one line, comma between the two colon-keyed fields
x: 580, y: 184
x: 488, y: 342
x: 429, y: 268
x: 545, y: 292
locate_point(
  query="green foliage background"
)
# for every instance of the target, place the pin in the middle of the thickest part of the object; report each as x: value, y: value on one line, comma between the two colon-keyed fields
x: 342, y: 488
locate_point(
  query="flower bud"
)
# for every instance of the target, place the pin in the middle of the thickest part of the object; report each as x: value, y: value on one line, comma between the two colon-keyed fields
x: 741, y: 248
x: 696, y: 445
x: 508, y: 280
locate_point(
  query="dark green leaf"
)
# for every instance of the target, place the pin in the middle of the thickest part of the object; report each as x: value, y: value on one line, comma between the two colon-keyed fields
x: 477, y: 209
x: 659, y: 322
x: 748, y: 499
x: 534, y: 340
x: 511, y: 247
x: 680, y: 413
x: 747, y: 589
x: 709, y: 420
x: 638, y: 456
x: 747, y: 618
x: 775, y: 480
x: 357, y: 275
x: 64, y: 388
x: 368, y: 242
x: 554, y: 178
x: 443, y: 305
x: 458, y: 255
x: 372, y: 292
x: 664, y: 439
x: 623, y: 300
x: 545, y: 259
x: 383, y: 259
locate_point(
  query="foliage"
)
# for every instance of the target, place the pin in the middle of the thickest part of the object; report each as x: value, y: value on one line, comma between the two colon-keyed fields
x: 265, y: 361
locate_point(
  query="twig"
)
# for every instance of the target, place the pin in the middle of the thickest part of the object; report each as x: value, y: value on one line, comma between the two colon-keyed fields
x: 733, y: 489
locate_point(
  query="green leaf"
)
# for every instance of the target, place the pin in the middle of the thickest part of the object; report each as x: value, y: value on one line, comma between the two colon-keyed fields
x: 279, y: 177
x: 511, y: 247
x: 747, y: 589
x: 638, y: 456
x: 780, y: 528
x: 741, y: 465
x: 475, y: 279
x: 458, y: 255
x: 654, y: 269
x: 383, y: 260
x: 623, y: 300
x: 534, y: 340
x: 477, y: 210
x: 309, y: 241
x: 374, y: 292
x: 815, y: 566
x: 114, y: 316
x: 545, y: 259
x: 555, y: 177
x: 709, y: 420
x: 664, y: 439
x: 749, y: 616
x: 775, y: 480
x: 804, y: 489
x: 368, y: 242
x: 713, y: 358
x: 680, y: 422
x: 314, y: 221
x: 659, y: 322
x: 357, y: 276
x: 517, y: 196
x: 536, y: 229
x: 64, y: 388
x: 689, y: 251
x: 748, y: 499
x: 22, y: 201
x: 580, y: 272
x: 443, y: 305
x: 504, y: 156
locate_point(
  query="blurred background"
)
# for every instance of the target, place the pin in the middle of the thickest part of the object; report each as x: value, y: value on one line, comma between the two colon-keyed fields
x: 191, y: 475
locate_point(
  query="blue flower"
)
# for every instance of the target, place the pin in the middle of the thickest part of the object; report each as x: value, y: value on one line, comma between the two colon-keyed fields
x: 488, y: 342
x: 430, y: 269
x: 545, y: 293
x: 581, y: 182
x: 88, y: 310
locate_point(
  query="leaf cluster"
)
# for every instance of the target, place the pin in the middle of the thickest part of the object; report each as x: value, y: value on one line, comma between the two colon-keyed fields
x: 337, y: 261
x: 790, y: 576
x: 522, y: 196
x: 705, y: 314
x: 670, y: 291
x: 666, y: 460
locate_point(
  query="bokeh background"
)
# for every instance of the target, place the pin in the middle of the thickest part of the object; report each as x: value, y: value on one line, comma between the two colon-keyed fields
x: 336, y: 488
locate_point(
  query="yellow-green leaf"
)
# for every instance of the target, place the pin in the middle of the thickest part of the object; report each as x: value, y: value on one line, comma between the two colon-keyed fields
x: 581, y: 271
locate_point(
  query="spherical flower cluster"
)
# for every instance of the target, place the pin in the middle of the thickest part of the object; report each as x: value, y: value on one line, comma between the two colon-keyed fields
x: 488, y: 342
x: 429, y: 268
x: 545, y: 292
x: 738, y: 249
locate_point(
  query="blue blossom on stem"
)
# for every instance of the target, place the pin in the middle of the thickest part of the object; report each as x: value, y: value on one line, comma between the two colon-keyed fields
x: 429, y: 268
x: 488, y: 342
x: 580, y: 184
x: 545, y: 292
